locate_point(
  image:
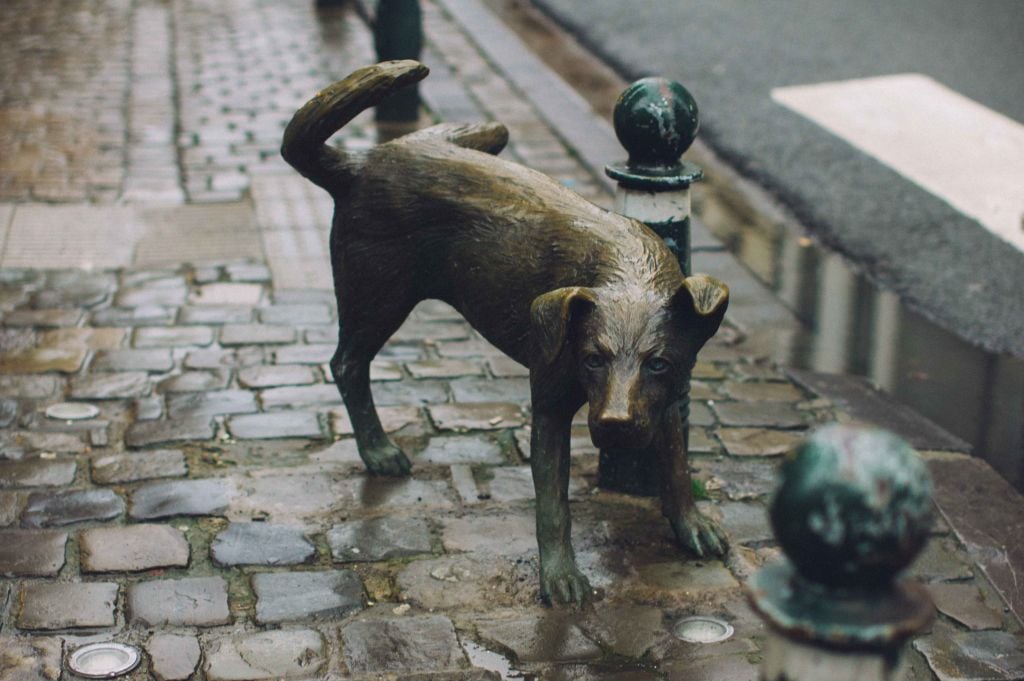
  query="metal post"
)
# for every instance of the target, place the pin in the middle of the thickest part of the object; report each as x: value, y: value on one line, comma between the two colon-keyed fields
x: 398, y: 34
x: 852, y: 510
x: 656, y: 121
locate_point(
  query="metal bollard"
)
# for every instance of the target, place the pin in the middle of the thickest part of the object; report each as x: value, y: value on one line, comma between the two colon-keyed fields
x: 398, y: 34
x: 656, y: 121
x: 852, y: 510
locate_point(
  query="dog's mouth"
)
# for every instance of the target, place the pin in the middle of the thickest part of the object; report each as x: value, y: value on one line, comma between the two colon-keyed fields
x: 620, y: 437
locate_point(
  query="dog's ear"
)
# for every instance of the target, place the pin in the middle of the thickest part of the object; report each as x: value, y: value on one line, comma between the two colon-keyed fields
x: 550, y: 316
x: 701, y: 302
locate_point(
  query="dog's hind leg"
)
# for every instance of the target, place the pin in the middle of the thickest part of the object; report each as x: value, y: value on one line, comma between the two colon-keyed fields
x: 359, y: 339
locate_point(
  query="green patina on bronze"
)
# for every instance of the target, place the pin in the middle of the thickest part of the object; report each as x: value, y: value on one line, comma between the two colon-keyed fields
x: 852, y: 510
x: 656, y: 120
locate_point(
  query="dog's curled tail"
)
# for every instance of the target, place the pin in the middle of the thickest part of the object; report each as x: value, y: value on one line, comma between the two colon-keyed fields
x: 304, y: 145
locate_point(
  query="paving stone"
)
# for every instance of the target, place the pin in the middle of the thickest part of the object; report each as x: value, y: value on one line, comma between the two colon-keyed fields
x: 739, y: 479
x: 372, y: 493
x: 415, y: 331
x: 226, y: 294
x: 73, y: 288
x: 448, y: 450
x: 29, y: 387
x: 701, y: 415
x: 226, y: 359
x: 765, y: 392
x: 118, y: 385
x: 941, y: 560
x: 340, y: 452
x: 261, y: 544
x: 55, y: 509
x: 31, y: 554
x: 173, y: 657
x: 284, y: 424
x: 57, y: 317
x: 965, y: 604
x: 378, y: 539
x: 256, y: 334
x: 515, y: 483
x: 462, y: 417
x: 144, y: 315
x: 307, y: 596
x: 500, y: 535
x: 707, y: 371
x: 468, y: 348
x: 172, y: 336
x: 973, y: 655
x: 410, y: 392
x: 43, y: 441
x: 551, y: 636
x: 744, y: 522
x: 266, y: 655
x: 300, y: 397
x: 690, y: 577
x: 31, y: 659
x: 380, y: 370
x: 189, y: 602
x: 468, y: 391
x: 286, y: 498
x: 324, y: 335
x: 505, y: 367
x: 316, y: 353
x: 757, y: 441
x: 36, y: 473
x: 65, y: 605
x: 213, y: 403
x: 148, y: 408
x: 157, y: 360
x: 133, y: 548
x: 420, y: 643
x: 170, y: 291
x: 250, y: 272
x: 10, y: 508
x: 296, y: 315
x: 147, y: 433
x: 215, y: 314
x: 392, y: 419
x: 276, y: 375
x: 94, y: 338
x: 760, y: 414
x: 181, y: 498
x: 444, y: 368
x: 196, y: 381
x: 67, y: 360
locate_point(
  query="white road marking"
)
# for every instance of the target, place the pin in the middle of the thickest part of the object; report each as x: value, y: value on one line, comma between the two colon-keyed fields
x: 955, y: 148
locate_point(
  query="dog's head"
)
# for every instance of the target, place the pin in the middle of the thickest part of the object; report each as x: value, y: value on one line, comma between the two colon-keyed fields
x: 631, y: 349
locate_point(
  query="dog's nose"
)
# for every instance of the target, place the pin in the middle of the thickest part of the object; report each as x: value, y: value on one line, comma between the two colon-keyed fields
x: 616, y: 429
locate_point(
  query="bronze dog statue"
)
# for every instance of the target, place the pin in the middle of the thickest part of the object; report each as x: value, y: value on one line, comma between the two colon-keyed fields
x: 592, y: 302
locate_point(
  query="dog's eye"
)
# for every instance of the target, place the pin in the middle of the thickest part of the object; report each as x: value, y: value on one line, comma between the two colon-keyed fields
x: 593, y: 361
x: 657, y: 365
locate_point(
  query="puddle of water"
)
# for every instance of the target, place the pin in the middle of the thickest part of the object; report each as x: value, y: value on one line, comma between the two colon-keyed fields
x: 856, y: 328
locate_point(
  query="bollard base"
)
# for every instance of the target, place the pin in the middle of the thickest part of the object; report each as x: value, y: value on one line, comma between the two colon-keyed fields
x: 789, y: 660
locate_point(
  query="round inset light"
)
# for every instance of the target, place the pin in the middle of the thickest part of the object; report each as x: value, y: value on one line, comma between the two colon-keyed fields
x: 103, y: 660
x: 703, y: 630
x: 72, y: 411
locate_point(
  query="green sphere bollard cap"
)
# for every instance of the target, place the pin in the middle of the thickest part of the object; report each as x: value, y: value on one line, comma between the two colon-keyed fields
x: 656, y: 120
x: 853, y: 509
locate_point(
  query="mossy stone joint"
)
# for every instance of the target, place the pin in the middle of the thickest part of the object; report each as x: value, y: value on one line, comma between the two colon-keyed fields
x: 852, y: 510
x: 656, y: 120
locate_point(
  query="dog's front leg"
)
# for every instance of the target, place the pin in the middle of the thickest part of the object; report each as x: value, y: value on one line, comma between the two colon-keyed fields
x: 693, y: 530
x: 560, y: 579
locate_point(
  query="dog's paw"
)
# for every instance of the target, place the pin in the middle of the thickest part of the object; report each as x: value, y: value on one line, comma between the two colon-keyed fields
x: 564, y: 584
x: 700, y: 534
x: 388, y: 460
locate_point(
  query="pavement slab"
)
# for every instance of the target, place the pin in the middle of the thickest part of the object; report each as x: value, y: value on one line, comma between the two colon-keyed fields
x: 307, y: 596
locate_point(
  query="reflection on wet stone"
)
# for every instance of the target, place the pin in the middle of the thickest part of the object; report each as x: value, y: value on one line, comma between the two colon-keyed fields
x: 314, y: 596
x: 378, y: 539
x: 146, y: 433
x: 408, y: 644
x: 132, y: 467
x: 261, y: 544
x: 54, y: 509
x: 182, y: 497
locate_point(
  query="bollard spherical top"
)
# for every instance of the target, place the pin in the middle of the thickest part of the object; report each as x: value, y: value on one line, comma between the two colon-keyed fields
x: 853, y: 508
x: 655, y: 120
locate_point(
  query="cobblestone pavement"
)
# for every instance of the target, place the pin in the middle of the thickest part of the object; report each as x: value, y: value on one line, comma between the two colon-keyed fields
x: 214, y: 510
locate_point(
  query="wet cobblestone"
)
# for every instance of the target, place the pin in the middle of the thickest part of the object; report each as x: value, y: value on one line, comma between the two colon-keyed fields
x: 206, y: 326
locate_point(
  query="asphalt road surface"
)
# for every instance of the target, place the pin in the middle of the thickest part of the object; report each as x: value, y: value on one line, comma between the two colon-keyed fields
x: 741, y: 58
